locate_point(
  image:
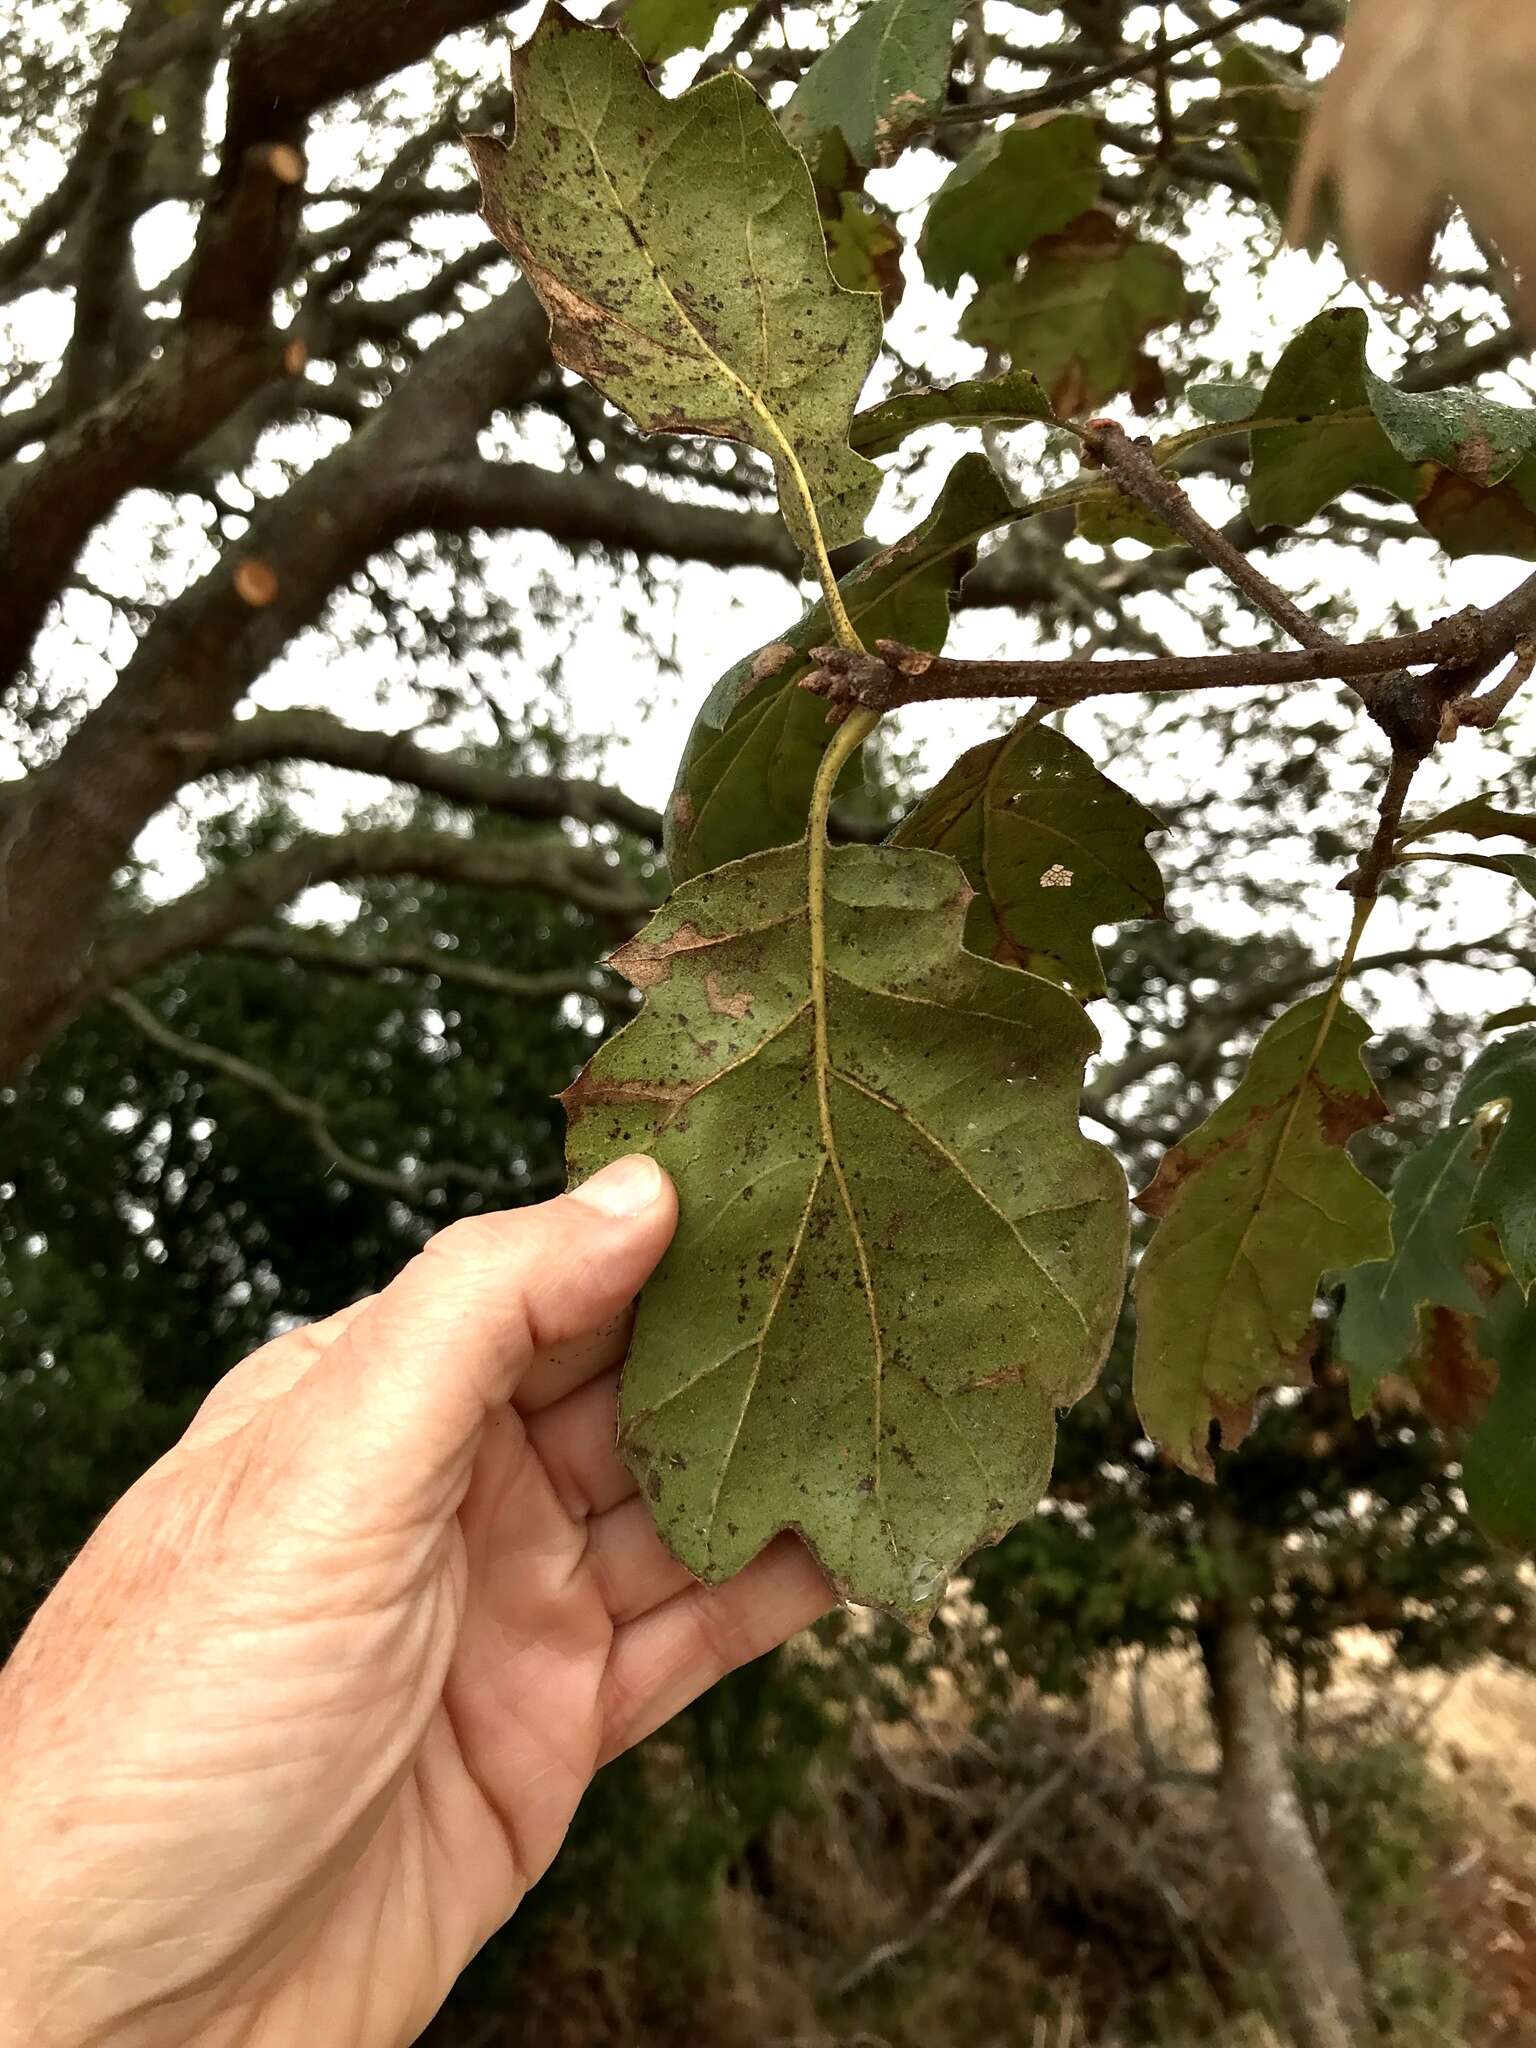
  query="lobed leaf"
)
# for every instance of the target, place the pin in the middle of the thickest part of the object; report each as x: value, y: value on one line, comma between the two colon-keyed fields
x: 1051, y: 847
x: 677, y: 248
x: 660, y: 29
x: 1519, y: 867
x: 1269, y: 103
x: 1224, y: 402
x: 1078, y: 316
x: 1505, y: 1196
x: 1466, y: 464
x: 897, y: 1256
x: 751, y: 758
x: 1431, y: 1201
x: 877, y: 83
x: 1108, y: 514
x: 1255, y: 1206
x: 1339, y: 446
x: 1032, y: 180
x: 864, y: 253
x: 1478, y: 816
x: 1013, y: 399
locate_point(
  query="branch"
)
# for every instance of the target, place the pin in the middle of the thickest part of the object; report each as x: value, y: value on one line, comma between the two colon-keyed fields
x: 1136, y: 469
x: 1209, y: 1033
x: 274, y: 736
x: 900, y: 675
x: 1013, y: 1822
x: 1066, y: 91
x: 292, y: 948
x: 257, y: 888
x: 462, y: 493
x: 417, y: 1184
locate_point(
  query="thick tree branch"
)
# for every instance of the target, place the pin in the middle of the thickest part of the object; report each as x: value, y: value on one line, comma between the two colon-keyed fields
x: 293, y: 947
x: 261, y: 885
x: 75, y: 821
x: 274, y: 736
x: 415, y: 1184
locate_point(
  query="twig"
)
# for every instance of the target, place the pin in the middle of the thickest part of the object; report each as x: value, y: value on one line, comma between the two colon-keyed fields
x: 1364, y: 882
x: 1018, y: 1815
x: 897, y: 674
x: 1063, y: 93
x: 1484, y: 712
x: 1136, y: 470
x: 426, y: 1179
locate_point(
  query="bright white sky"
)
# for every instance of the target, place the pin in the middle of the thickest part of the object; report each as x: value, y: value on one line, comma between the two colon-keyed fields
x: 611, y: 687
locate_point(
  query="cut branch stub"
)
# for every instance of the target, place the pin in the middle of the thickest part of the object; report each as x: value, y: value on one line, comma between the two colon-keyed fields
x: 757, y: 742
x: 1256, y: 1205
x: 1051, y: 847
x: 677, y: 248
x: 898, y: 1255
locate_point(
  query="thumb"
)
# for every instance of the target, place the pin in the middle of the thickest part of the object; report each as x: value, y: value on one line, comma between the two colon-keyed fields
x: 389, y: 1419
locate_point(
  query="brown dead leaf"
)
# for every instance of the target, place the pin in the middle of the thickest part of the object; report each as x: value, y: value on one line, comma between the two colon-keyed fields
x: 1429, y: 104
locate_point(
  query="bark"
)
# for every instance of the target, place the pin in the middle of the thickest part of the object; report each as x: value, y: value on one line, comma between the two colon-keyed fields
x: 1310, y: 1955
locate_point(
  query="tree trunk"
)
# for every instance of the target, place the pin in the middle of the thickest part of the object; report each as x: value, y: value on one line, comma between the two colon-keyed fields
x: 1310, y: 1954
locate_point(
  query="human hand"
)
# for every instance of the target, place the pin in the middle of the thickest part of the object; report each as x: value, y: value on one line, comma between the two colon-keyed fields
x: 315, y: 1705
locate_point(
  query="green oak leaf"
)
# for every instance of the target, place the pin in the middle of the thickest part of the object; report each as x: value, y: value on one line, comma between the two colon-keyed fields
x: 660, y: 29
x: 1224, y: 402
x: 1109, y: 514
x: 897, y: 1257
x: 1051, y: 847
x: 1498, y: 1466
x: 757, y: 742
x: 1269, y: 104
x: 1013, y: 399
x: 1341, y: 446
x: 1478, y: 816
x: 1465, y: 464
x: 1519, y: 867
x: 1255, y: 1205
x: 864, y: 252
x: 1032, y: 180
x: 1505, y: 1196
x: 1078, y: 316
x: 877, y: 83
x: 1431, y: 1199
x: 676, y: 246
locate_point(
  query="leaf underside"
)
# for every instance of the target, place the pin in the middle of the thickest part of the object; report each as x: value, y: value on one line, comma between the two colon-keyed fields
x: 677, y: 248
x: 1256, y: 1205
x: 1051, y: 847
x: 893, y: 1266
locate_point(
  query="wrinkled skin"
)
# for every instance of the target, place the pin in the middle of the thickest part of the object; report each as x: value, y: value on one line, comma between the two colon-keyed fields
x: 315, y: 1705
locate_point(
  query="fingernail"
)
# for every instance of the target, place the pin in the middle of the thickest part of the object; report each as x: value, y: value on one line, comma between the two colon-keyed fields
x: 622, y: 1189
